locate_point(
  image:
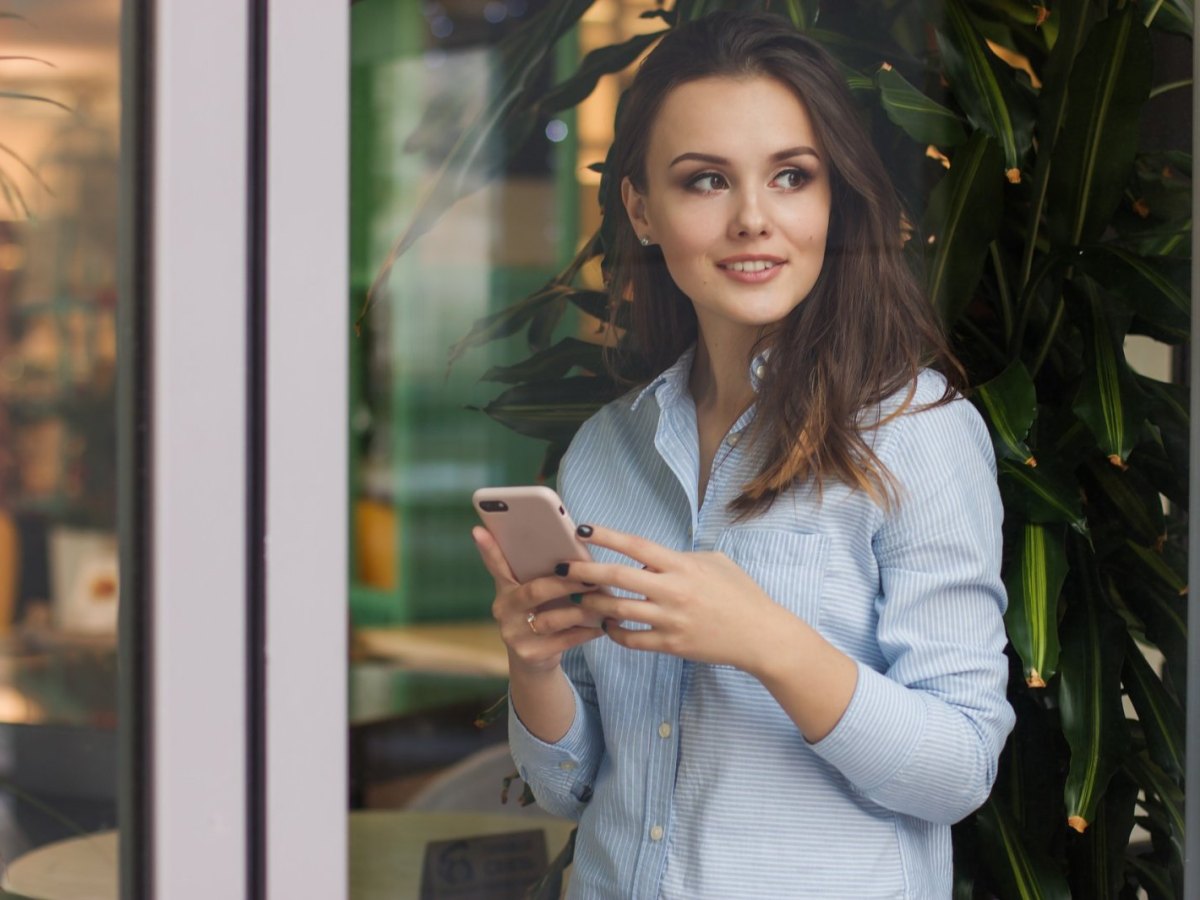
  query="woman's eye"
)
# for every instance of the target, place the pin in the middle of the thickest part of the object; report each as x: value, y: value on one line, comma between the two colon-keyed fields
x: 791, y: 179
x: 707, y: 182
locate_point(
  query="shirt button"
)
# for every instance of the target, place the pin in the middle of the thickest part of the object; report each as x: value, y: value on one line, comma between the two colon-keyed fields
x: 656, y: 833
x: 733, y: 439
x: 566, y: 765
x: 664, y: 730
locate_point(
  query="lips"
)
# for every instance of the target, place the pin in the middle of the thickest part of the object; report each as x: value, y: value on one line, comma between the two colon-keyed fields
x: 751, y: 268
x: 749, y: 264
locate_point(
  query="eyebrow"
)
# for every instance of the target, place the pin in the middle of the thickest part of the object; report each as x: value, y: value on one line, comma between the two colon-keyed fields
x: 802, y: 150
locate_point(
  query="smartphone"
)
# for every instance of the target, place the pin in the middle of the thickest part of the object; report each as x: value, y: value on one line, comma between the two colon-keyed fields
x: 531, y: 526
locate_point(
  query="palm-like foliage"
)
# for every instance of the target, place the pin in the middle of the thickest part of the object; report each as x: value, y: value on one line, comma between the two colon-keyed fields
x: 1050, y: 238
x: 10, y: 190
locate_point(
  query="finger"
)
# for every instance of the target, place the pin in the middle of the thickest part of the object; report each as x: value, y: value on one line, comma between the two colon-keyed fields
x: 618, y: 575
x: 647, y: 552
x: 633, y: 639
x: 493, y: 558
x: 621, y: 609
x: 559, y: 619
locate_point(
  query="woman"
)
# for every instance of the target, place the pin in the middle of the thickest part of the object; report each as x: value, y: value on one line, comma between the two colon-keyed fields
x: 797, y: 682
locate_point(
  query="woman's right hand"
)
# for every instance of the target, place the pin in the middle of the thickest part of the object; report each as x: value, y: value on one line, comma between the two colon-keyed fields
x: 535, y: 644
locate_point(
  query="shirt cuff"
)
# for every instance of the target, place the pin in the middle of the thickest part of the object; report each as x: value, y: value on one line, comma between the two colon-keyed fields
x: 877, y: 733
x: 560, y: 767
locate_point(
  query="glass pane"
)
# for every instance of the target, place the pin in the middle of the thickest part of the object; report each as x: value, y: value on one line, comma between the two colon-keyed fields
x: 426, y: 660
x: 429, y: 421
x: 58, y: 541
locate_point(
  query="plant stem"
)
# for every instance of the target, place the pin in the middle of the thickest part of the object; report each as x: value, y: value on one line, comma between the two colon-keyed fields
x: 1153, y: 12
x: 1005, y: 299
x: 1051, y: 334
x: 1025, y: 304
x: 984, y: 341
x: 1169, y: 86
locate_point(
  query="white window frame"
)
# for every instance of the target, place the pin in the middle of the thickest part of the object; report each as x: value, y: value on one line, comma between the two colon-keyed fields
x: 246, y: 275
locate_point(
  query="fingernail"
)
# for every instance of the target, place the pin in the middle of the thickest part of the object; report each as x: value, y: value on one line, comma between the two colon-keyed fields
x: 587, y: 584
x: 604, y: 625
x: 562, y: 569
x: 577, y: 598
x: 584, y: 531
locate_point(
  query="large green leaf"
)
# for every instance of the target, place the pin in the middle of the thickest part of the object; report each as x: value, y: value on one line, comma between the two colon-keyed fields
x: 960, y: 222
x: 921, y: 118
x: 509, y: 114
x: 1161, y: 716
x: 1167, y: 405
x: 1041, y: 495
x: 1034, y: 578
x: 985, y: 87
x: 1074, y: 23
x: 1094, y: 154
x: 1009, y: 402
x: 1131, y: 506
x: 509, y: 320
x: 600, y: 62
x: 1153, y: 589
x: 1155, y: 289
x: 1098, y: 857
x: 1164, y: 797
x: 1175, y: 16
x: 1023, y: 872
x: 1109, y: 400
x: 551, y: 410
x: 1089, y: 690
x: 553, y: 362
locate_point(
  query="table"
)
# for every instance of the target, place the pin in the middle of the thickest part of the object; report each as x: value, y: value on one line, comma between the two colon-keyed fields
x: 386, y: 851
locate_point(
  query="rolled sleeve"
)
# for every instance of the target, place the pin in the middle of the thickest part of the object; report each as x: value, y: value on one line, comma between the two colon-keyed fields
x: 561, y: 774
x: 923, y: 737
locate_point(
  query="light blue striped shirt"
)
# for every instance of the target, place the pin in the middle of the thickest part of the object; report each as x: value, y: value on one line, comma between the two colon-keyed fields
x: 689, y: 780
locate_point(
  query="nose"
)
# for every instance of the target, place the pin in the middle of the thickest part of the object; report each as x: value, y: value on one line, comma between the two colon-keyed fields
x: 749, y: 218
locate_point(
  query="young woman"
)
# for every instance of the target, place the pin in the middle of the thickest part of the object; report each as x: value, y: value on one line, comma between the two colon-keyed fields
x: 783, y: 674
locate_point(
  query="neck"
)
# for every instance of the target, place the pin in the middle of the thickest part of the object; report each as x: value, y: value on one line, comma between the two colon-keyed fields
x: 720, y: 377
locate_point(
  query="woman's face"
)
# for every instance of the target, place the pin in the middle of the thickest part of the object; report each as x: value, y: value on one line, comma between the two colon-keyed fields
x: 737, y: 197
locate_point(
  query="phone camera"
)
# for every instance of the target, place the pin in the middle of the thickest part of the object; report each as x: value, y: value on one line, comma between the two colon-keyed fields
x: 493, y: 506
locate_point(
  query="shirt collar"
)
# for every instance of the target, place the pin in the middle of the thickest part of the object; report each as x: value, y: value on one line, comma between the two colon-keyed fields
x: 669, y: 385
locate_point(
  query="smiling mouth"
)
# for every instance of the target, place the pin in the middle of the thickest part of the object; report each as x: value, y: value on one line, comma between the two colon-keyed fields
x: 753, y: 265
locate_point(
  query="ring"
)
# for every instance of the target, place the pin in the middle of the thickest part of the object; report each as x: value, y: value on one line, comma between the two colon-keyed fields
x: 529, y: 620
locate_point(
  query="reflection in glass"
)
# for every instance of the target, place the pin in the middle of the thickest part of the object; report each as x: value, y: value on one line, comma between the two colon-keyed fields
x: 58, y: 542
x: 426, y: 659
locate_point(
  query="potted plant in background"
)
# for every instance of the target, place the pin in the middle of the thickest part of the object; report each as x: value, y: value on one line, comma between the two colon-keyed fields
x: 1046, y: 233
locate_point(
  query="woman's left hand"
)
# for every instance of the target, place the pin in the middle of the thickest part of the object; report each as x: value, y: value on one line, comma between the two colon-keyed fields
x: 699, y: 605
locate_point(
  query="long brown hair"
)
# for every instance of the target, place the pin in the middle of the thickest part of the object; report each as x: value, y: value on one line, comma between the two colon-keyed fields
x: 865, y: 329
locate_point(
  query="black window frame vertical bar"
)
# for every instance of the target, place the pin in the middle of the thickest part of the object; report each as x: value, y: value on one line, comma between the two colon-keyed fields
x: 256, y: 434
x: 135, y: 380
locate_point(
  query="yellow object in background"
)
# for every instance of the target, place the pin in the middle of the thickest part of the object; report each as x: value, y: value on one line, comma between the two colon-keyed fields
x: 375, y: 543
x: 10, y: 570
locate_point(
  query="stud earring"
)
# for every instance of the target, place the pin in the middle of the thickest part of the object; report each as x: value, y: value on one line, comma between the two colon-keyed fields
x: 644, y: 241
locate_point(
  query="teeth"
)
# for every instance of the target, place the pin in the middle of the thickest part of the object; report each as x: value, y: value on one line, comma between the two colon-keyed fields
x: 757, y: 265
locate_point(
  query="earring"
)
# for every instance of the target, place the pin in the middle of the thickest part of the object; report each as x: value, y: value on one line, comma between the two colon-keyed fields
x: 644, y: 241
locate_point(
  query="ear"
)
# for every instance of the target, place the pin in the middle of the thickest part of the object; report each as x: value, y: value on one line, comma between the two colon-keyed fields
x: 635, y: 206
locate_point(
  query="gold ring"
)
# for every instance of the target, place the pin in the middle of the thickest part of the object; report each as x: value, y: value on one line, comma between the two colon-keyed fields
x: 529, y: 620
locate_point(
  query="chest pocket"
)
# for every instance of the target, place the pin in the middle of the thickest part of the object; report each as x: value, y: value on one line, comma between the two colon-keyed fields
x: 789, y: 567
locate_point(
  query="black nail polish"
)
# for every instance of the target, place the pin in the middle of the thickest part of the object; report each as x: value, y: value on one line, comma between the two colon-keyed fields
x: 587, y: 584
x: 562, y: 569
x: 577, y: 598
x: 604, y: 625
x: 584, y: 531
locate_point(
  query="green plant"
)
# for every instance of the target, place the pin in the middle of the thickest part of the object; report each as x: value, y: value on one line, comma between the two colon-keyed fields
x: 1051, y: 237
x: 9, y: 189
